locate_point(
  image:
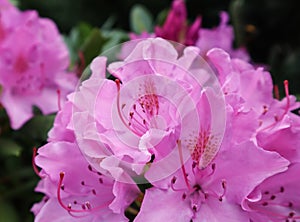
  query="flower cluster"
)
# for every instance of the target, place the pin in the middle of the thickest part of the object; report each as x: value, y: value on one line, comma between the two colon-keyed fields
x: 180, y: 139
x: 33, y: 64
x: 177, y: 29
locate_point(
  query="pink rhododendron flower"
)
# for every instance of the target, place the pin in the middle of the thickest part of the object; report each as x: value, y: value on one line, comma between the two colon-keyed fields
x: 220, y: 37
x: 175, y: 27
x: 161, y: 100
x: 212, y: 143
x: 72, y: 188
x: 33, y: 65
x: 273, y: 124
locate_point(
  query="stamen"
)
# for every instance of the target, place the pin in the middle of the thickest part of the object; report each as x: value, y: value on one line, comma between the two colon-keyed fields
x: 276, y: 118
x: 58, y: 99
x: 142, y: 119
x: 224, y: 190
x: 269, y: 203
x: 173, y: 181
x: 86, y: 207
x: 265, y: 109
x: 213, y: 167
x: 286, y: 89
x: 138, y: 126
x: 118, y: 83
x: 94, y: 171
x: 35, y: 169
x: 276, y: 92
x: 182, y: 165
x: 218, y: 196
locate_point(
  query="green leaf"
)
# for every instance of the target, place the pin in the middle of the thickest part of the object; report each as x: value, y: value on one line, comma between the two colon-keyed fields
x: 161, y: 17
x: 92, y: 45
x: 9, y: 148
x: 114, y: 37
x: 8, y: 212
x: 76, y: 38
x: 15, y: 2
x: 38, y: 127
x: 141, y: 19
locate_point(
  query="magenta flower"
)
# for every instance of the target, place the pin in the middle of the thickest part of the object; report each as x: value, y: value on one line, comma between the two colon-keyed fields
x: 33, y: 65
x: 211, y: 145
x: 175, y: 27
x: 72, y: 188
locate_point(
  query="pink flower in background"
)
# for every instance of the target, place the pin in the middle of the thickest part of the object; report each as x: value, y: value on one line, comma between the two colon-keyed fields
x: 73, y: 189
x: 220, y: 37
x: 176, y: 28
x: 33, y: 65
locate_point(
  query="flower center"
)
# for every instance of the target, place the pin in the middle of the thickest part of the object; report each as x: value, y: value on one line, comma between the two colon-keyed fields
x: 195, y: 193
x: 140, y: 118
x: 28, y: 82
x: 20, y: 65
x: 203, y: 147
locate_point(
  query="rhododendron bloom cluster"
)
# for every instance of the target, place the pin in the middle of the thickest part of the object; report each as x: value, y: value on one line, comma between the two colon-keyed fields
x: 33, y: 64
x: 176, y: 28
x: 170, y: 138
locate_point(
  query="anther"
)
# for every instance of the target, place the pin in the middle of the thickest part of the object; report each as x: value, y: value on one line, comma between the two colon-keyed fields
x: 213, y: 166
x: 152, y: 158
x: 265, y: 109
x: 58, y: 99
x: 291, y: 214
x: 197, y: 187
x: 173, y: 180
x: 194, y: 164
x: 88, y: 205
x: 194, y: 208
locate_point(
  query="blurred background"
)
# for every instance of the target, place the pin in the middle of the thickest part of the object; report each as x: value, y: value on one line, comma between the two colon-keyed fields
x: 269, y: 29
